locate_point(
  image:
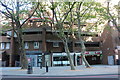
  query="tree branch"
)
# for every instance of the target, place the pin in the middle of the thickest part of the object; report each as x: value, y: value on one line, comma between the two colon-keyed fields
x: 30, y: 15
x: 68, y: 11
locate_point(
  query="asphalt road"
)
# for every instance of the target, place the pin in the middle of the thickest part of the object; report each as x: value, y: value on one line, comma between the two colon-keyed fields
x: 62, y: 77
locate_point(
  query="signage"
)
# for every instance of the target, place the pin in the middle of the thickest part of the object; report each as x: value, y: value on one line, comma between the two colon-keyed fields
x: 93, y: 52
x: 86, y: 53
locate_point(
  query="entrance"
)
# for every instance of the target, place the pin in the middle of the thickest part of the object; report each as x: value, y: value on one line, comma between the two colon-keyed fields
x: 39, y: 60
x: 93, y: 59
x: 111, y: 60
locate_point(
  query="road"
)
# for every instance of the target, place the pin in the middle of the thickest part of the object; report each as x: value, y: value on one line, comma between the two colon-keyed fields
x: 75, y: 76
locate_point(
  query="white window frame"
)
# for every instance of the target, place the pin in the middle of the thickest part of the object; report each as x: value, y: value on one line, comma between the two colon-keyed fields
x: 55, y: 44
x: 2, y: 45
x: 7, y: 45
x: 26, y: 45
x: 36, y: 45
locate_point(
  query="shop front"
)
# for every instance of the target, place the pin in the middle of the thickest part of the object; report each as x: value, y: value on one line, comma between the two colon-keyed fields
x: 61, y: 59
x: 94, y: 57
x: 35, y: 58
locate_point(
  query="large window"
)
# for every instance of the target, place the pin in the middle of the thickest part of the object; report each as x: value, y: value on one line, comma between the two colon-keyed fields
x: 55, y: 44
x: 26, y: 45
x: 36, y: 45
x: 60, y: 61
x: 7, y: 45
x: 2, y: 45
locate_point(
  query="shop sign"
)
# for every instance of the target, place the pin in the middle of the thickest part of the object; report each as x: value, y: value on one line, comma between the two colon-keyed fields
x: 93, y: 52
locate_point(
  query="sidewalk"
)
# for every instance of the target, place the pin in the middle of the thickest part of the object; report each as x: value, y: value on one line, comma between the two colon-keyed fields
x: 62, y: 70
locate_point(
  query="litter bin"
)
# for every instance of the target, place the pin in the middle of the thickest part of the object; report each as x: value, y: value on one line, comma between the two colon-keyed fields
x: 30, y: 69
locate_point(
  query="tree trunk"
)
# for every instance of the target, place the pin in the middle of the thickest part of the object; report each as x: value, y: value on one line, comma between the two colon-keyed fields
x: 83, y: 55
x: 24, y: 62
x: 83, y: 50
x: 69, y: 56
x: 80, y: 38
x: 23, y: 58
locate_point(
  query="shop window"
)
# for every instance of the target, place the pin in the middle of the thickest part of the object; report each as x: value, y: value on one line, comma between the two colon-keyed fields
x: 55, y: 44
x: 26, y: 45
x: 36, y: 45
x: 7, y: 45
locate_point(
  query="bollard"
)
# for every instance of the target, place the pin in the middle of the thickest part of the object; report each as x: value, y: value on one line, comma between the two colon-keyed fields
x: 46, y: 68
x: 30, y: 70
x: 41, y: 65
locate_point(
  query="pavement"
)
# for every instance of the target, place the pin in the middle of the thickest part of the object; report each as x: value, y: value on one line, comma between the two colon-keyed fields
x: 63, y: 71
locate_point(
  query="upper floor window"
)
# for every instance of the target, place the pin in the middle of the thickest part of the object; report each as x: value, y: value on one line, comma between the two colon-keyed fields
x: 36, y: 45
x: 7, y: 45
x: 92, y: 44
x: 2, y: 45
x: 77, y: 44
x: 26, y: 45
x: 55, y: 44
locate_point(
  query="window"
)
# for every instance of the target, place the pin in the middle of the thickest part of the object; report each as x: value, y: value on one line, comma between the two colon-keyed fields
x: 2, y: 45
x: 36, y: 45
x: 92, y: 44
x: 55, y: 44
x: 77, y: 44
x: 26, y: 45
x: 7, y: 45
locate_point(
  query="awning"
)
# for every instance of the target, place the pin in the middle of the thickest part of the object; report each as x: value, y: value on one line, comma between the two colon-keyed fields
x: 93, y: 52
x: 53, y: 41
x: 86, y: 53
x: 61, y: 54
x: 33, y: 52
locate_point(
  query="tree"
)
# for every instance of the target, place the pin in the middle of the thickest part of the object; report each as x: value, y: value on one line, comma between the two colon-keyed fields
x: 13, y: 11
x: 60, y: 27
x: 112, y: 17
x: 65, y: 13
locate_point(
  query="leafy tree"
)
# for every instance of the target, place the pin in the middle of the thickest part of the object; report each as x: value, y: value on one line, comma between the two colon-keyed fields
x: 13, y: 9
x: 74, y: 13
x: 60, y: 26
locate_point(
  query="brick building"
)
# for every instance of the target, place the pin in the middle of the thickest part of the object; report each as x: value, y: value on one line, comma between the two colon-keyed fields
x: 42, y: 45
x: 110, y: 43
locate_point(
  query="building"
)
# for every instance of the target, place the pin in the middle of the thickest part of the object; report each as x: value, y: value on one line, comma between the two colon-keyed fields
x: 42, y: 45
x: 110, y: 42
